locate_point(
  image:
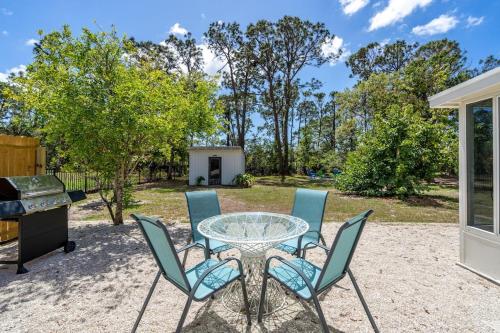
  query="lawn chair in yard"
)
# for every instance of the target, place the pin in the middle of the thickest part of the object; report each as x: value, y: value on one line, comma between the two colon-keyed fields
x: 202, y: 205
x: 199, y: 282
x: 308, y: 281
x: 311, y: 175
x: 308, y: 205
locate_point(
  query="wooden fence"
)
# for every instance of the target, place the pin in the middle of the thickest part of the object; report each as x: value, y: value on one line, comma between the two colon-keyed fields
x: 19, y: 156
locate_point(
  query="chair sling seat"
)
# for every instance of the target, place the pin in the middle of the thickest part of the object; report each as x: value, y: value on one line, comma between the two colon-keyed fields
x: 307, y: 281
x: 202, y: 205
x: 198, y: 282
x: 292, y: 280
x: 308, y: 205
x: 213, y: 281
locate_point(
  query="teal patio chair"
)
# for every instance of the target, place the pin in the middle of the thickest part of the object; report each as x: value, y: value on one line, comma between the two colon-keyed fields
x: 307, y: 281
x: 202, y: 205
x: 199, y: 282
x: 309, y: 205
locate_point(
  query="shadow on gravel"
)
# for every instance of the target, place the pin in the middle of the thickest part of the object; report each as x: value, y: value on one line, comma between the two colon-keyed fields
x: 100, y: 249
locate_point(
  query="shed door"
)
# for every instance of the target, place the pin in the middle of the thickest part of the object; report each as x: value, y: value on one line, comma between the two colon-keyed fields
x: 214, y: 170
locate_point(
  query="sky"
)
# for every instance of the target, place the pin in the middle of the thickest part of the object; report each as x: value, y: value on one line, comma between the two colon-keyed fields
x: 355, y: 23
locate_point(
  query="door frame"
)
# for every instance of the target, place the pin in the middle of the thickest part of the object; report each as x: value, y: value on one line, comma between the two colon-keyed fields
x: 220, y: 169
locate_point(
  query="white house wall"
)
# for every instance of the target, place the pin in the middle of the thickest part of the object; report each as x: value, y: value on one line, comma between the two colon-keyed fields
x: 479, y: 249
x: 233, y: 163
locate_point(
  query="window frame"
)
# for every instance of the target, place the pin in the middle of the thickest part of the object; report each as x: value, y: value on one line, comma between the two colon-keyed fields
x: 464, y: 162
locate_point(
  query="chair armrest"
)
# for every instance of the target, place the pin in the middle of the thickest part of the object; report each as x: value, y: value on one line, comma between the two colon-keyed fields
x: 306, y: 247
x: 320, y: 236
x: 186, y: 247
x: 292, y: 266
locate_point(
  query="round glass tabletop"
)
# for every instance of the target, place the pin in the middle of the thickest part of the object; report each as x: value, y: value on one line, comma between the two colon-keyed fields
x: 252, y: 232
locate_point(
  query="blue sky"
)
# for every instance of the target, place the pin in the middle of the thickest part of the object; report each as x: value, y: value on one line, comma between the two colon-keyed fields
x: 355, y: 22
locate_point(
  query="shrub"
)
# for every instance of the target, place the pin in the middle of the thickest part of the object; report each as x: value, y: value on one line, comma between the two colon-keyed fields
x: 244, y: 180
x: 199, y: 180
x: 395, y: 157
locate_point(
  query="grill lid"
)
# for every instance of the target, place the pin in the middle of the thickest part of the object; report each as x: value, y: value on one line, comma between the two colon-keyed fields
x: 25, y: 187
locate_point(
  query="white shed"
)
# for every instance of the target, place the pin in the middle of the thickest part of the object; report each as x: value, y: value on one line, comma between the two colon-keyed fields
x: 478, y: 101
x: 217, y: 165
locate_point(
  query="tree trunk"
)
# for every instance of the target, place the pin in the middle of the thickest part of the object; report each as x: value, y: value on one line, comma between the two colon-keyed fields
x: 118, y: 191
x: 171, y: 163
x: 284, y: 133
x: 334, y: 129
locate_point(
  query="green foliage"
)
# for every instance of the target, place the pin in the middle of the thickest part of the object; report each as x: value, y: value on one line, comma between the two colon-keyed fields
x: 110, y: 110
x: 244, y: 180
x: 387, y: 90
x: 395, y: 157
x: 200, y: 180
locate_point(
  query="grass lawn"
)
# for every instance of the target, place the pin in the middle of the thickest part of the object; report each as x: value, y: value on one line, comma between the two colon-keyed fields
x: 167, y: 200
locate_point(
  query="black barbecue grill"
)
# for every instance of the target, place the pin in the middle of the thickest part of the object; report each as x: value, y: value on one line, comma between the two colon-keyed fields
x: 39, y: 207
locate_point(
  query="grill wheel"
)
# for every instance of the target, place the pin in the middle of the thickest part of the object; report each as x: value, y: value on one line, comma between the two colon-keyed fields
x: 69, y: 246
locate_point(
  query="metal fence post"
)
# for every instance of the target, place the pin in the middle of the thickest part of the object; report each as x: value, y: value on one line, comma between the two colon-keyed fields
x: 85, y: 182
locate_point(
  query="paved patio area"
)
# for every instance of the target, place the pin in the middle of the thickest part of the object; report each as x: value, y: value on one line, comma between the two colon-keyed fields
x: 406, y: 271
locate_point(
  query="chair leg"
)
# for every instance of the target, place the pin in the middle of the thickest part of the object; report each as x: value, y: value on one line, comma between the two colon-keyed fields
x: 262, y: 298
x: 184, y: 314
x: 245, y: 299
x: 362, y: 299
x: 184, y: 259
x: 321, y: 316
x: 146, y: 301
x: 207, y: 249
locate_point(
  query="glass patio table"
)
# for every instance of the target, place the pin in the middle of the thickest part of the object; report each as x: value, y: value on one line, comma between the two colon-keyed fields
x: 253, y: 233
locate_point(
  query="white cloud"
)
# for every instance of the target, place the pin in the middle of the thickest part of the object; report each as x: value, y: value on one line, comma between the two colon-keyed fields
x: 211, y: 63
x: 335, y: 46
x: 31, y: 42
x: 176, y: 29
x: 6, y: 12
x: 203, y: 16
x: 384, y: 42
x: 439, y: 25
x: 4, y: 77
x: 473, y: 21
x: 5, y: 33
x: 350, y: 7
x: 395, y: 11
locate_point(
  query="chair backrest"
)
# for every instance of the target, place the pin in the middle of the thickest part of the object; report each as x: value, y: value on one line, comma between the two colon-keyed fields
x: 342, y: 250
x: 309, y: 205
x: 163, y: 250
x: 201, y: 205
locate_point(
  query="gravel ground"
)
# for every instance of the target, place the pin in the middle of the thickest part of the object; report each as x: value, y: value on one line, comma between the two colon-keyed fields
x: 406, y: 271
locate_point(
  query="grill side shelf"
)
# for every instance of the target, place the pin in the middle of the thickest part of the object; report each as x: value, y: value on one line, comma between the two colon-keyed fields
x: 11, y: 209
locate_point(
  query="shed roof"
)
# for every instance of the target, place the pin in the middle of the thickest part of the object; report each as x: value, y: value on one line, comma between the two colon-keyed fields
x: 475, y: 87
x: 219, y: 148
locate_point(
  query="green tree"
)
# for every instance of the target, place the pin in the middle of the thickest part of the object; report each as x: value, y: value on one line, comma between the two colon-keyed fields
x: 394, y: 157
x: 486, y: 64
x: 282, y: 50
x: 230, y: 45
x: 110, y: 110
x: 375, y: 58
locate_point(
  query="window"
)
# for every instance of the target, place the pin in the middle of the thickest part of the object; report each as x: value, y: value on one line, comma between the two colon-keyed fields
x: 480, y: 164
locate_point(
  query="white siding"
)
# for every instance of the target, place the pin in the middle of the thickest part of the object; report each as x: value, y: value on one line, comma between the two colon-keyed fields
x: 233, y: 163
